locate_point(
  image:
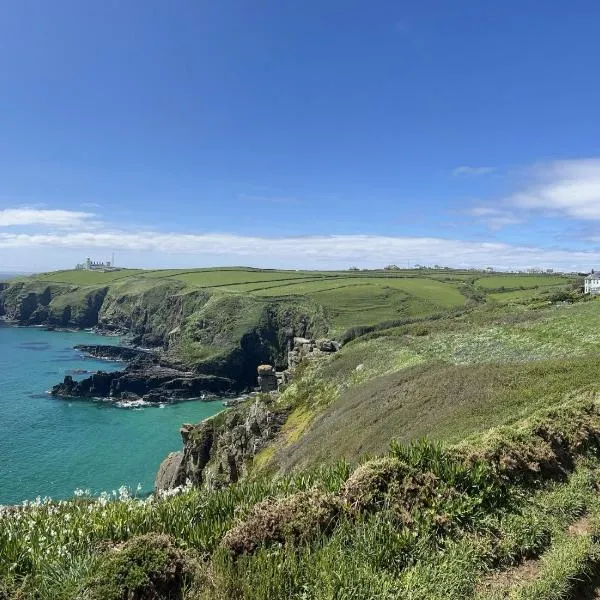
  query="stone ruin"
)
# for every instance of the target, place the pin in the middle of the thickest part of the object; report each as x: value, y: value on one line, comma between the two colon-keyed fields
x: 267, y: 378
x: 270, y: 380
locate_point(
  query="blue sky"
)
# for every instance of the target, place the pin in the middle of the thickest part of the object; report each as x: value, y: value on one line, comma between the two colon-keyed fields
x: 299, y: 134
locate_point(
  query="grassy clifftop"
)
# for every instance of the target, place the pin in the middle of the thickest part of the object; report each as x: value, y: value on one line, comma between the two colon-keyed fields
x: 513, y: 513
x: 348, y: 501
x: 226, y: 321
x: 446, y: 379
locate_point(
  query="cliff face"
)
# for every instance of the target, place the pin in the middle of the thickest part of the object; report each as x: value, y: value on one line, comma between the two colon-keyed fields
x: 36, y: 303
x: 218, y: 452
x: 216, y: 334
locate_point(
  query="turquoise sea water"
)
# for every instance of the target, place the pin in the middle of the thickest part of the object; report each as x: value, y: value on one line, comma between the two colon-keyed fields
x: 50, y: 447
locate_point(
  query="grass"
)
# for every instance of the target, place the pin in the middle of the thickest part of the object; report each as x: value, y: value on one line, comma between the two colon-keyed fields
x: 519, y: 281
x: 542, y: 292
x: 83, y: 277
x: 444, y: 402
x: 349, y: 299
x: 444, y: 379
x: 426, y: 521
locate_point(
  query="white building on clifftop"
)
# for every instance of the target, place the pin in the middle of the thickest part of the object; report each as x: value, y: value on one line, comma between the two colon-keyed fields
x: 90, y: 265
x: 592, y: 283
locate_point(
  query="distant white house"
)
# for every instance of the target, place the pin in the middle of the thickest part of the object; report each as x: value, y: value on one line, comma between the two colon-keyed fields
x: 592, y: 283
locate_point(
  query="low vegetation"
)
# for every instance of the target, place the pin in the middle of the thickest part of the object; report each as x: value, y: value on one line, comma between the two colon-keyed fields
x: 424, y: 521
x: 449, y: 450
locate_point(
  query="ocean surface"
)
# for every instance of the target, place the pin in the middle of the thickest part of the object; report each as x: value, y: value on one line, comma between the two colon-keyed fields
x: 50, y: 447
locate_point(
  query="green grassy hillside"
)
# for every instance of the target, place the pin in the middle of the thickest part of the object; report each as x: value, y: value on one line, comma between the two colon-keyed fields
x: 445, y: 379
x: 352, y: 298
x: 512, y: 513
x: 348, y: 501
x: 227, y: 321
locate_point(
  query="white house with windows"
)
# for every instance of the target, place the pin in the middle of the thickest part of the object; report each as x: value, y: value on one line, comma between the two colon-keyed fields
x: 592, y: 283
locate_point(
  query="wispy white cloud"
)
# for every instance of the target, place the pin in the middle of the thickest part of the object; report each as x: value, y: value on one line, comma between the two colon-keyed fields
x: 336, y: 251
x: 568, y: 188
x: 11, y: 217
x: 467, y: 171
x: 494, y: 218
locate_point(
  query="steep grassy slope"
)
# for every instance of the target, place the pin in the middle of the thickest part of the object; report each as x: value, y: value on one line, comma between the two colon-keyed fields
x: 512, y: 513
x: 226, y: 321
x: 444, y: 379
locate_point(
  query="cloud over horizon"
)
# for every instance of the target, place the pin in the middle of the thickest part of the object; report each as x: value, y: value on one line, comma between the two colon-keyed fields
x: 12, y: 217
x: 468, y: 171
x: 332, y: 251
x: 568, y: 188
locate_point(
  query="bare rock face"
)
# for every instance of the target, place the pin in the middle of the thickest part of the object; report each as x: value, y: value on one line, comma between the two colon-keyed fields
x: 169, y: 474
x: 217, y: 452
x: 304, y: 348
x: 267, y: 378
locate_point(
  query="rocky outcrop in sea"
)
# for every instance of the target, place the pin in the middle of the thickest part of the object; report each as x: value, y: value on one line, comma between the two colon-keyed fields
x: 145, y: 378
x: 219, y: 451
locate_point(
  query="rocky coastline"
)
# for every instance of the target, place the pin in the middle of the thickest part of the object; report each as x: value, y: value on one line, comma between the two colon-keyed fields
x: 186, y: 343
x: 219, y: 451
x: 147, y: 377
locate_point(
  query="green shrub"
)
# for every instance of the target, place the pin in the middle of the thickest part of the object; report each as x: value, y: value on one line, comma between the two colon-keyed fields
x: 147, y: 567
x: 367, y: 486
x: 292, y: 519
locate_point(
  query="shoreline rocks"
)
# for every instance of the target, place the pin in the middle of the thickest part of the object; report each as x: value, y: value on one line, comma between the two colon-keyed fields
x: 145, y: 378
x: 153, y: 384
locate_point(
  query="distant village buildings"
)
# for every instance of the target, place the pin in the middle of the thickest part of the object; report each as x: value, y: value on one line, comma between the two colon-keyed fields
x: 90, y: 265
x: 591, y: 284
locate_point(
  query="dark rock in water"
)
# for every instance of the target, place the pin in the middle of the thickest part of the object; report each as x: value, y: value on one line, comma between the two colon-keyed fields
x: 37, y: 346
x: 217, y: 452
x: 77, y: 372
x: 154, y: 384
x: 123, y: 353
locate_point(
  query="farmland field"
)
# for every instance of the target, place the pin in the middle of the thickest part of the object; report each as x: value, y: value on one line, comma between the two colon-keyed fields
x: 518, y: 281
x: 350, y: 298
x: 83, y: 277
x: 523, y: 295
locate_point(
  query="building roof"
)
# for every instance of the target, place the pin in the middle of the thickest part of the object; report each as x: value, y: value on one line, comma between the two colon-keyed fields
x: 593, y: 276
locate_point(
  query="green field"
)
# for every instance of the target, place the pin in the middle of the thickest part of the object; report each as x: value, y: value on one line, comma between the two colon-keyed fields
x: 346, y: 502
x: 83, y: 277
x: 519, y: 281
x: 350, y: 299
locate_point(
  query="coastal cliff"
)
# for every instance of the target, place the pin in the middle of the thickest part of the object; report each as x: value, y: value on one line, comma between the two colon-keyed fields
x: 219, y: 451
x: 207, y: 333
